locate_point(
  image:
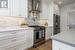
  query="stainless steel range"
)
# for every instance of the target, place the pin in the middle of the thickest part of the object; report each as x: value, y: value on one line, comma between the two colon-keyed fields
x: 39, y: 35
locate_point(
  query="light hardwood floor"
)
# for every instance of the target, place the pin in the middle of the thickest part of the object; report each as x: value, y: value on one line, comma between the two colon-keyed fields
x: 45, y: 46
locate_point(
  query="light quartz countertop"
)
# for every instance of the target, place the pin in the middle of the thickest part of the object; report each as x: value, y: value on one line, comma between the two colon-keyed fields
x: 67, y: 37
x: 14, y: 28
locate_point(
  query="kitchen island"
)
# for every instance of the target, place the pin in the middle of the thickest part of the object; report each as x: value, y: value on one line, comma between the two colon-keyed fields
x: 64, y: 40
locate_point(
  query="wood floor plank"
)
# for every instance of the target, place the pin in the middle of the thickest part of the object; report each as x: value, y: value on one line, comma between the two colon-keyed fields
x: 45, y: 46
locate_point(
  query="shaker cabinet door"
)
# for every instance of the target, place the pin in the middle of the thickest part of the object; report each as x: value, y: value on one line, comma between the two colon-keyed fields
x: 14, y: 8
x: 29, y: 38
x: 48, y: 33
x: 18, y: 8
x: 23, y: 8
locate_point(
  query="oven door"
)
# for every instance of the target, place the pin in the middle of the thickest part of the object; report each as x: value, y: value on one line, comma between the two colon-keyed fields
x: 38, y: 35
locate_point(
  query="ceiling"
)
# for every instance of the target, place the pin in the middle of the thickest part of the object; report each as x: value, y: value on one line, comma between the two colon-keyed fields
x: 64, y: 2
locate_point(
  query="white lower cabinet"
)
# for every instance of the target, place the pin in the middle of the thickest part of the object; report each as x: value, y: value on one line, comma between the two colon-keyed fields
x: 48, y: 33
x: 61, y: 46
x: 11, y: 48
x: 29, y: 39
x: 17, y: 40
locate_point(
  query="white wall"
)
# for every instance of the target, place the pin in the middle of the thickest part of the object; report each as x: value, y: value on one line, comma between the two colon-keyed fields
x: 65, y: 10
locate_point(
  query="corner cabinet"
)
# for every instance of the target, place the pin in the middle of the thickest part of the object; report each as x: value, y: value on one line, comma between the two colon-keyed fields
x: 16, y: 40
x: 61, y: 46
x: 19, y: 8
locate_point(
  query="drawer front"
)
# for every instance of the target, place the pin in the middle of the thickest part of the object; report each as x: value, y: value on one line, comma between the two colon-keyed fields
x: 21, y: 32
x: 5, y: 37
x: 13, y: 46
x: 19, y: 35
x: 20, y: 39
x: 12, y: 34
x: 7, y: 48
x: 11, y: 49
x: 11, y: 40
x: 7, y: 32
x: 4, y: 42
x: 21, y: 46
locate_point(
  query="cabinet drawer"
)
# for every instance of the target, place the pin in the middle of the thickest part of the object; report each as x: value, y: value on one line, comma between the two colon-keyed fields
x: 19, y: 35
x: 7, y: 32
x: 21, y: 32
x: 8, y: 47
x: 7, y: 41
x: 10, y: 36
x: 21, y: 46
x: 5, y: 37
x: 11, y: 48
x: 11, y: 40
x: 13, y: 45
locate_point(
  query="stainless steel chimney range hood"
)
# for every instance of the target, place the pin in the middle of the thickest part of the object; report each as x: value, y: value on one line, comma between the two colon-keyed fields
x: 35, y: 6
x: 34, y: 9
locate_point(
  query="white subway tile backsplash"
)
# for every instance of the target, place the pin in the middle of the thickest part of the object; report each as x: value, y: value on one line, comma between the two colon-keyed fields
x: 10, y: 22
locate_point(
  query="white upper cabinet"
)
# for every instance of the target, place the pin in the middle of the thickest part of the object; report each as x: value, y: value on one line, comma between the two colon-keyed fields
x: 56, y: 9
x: 19, y: 8
x: 47, y: 11
x: 14, y: 9
x: 23, y: 8
x: 48, y: 8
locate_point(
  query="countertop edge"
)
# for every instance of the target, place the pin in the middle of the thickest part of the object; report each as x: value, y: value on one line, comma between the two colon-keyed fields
x: 15, y: 29
x: 63, y: 42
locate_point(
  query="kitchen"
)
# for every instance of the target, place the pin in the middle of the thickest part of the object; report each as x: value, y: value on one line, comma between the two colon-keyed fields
x: 37, y: 24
